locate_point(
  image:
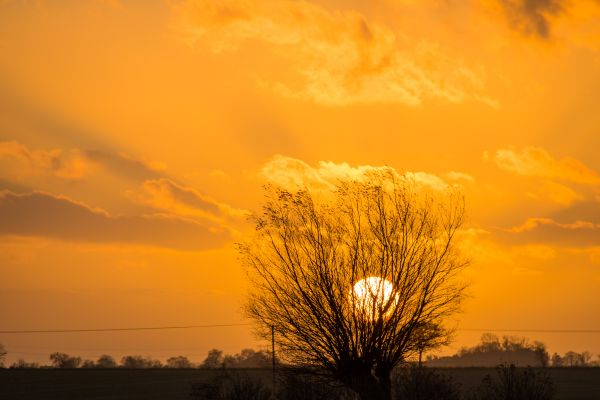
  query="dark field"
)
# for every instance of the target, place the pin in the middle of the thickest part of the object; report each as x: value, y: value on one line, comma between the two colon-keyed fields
x: 172, y: 384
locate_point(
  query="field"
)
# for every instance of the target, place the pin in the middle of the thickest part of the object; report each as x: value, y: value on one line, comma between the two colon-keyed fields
x: 171, y: 384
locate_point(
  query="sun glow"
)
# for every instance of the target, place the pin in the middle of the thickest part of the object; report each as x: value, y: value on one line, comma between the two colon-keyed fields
x: 374, y: 297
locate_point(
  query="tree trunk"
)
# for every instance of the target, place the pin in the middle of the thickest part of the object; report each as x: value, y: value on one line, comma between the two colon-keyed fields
x: 370, y: 387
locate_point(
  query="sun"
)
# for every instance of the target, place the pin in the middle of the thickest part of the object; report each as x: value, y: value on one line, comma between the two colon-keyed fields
x: 372, y: 296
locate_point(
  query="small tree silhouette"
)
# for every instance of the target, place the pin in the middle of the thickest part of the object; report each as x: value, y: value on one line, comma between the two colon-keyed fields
x: 63, y: 360
x: 348, y: 278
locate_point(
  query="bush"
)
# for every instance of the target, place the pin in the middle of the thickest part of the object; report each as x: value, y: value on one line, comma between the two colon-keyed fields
x: 242, y: 387
x: 421, y: 383
x: 295, y: 385
x: 231, y: 386
x: 514, y: 384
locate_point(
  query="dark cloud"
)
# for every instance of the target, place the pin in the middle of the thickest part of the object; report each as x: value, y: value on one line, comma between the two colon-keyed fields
x: 548, y: 231
x: 532, y: 16
x: 123, y: 165
x: 46, y: 215
x: 588, y: 210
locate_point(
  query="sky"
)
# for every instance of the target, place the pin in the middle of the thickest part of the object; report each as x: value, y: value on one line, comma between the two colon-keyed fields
x: 136, y: 137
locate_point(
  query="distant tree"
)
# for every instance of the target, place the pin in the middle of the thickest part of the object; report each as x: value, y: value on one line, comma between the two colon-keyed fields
x: 106, y: 361
x: 574, y: 359
x: 346, y: 278
x: 22, y: 364
x: 179, y: 362
x: 248, y: 358
x: 3, y: 354
x: 489, y: 343
x: 428, y: 336
x: 136, y: 361
x: 492, y: 351
x: 542, y: 353
x: 557, y: 360
x: 88, y: 364
x: 214, y: 359
x: 63, y: 360
x: 586, y: 357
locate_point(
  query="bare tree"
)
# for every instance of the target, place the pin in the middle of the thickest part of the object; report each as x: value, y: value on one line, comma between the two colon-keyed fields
x: 179, y: 362
x: 348, y: 278
x: 429, y: 336
x: 63, y: 360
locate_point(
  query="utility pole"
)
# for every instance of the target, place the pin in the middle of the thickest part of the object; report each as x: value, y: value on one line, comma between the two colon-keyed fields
x: 273, y: 357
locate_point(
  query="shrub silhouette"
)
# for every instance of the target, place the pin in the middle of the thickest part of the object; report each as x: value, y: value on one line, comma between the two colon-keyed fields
x: 515, y: 384
x: 231, y: 386
x: 421, y: 383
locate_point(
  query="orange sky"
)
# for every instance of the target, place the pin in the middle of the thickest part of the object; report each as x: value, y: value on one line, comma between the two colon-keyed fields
x: 136, y: 135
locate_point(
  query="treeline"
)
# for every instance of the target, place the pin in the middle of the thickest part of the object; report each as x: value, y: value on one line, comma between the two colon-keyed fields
x: 247, y: 358
x: 492, y: 351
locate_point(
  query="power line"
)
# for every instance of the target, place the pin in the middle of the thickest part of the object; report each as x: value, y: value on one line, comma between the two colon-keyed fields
x: 532, y: 330
x: 155, y: 328
x: 147, y: 328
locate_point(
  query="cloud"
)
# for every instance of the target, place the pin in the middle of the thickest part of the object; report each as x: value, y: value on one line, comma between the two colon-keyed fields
x: 124, y: 164
x: 548, y: 231
x: 533, y: 17
x: 459, y: 176
x: 71, y: 164
x: 47, y: 215
x: 537, y: 162
x: 293, y: 173
x: 166, y: 195
x: 339, y: 57
x: 556, y: 192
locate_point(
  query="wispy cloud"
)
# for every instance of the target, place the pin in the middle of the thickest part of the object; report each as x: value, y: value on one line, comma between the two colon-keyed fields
x: 71, y: 164
x: 340, y: 57
x: 166, y: 195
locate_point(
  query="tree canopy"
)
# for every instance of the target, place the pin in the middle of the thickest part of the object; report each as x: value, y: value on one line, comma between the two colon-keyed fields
x: 349, y: 279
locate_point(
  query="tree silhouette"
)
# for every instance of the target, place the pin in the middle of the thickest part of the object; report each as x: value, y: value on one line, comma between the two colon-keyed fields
x: 214, y: 359
x: 63, y: 360
x: 106, y: 361
x: 179, y: 362
x: 136, y: 361
x: 348, y: 278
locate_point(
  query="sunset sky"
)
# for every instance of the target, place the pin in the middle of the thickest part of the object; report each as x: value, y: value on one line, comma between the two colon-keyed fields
x: 136, y: 136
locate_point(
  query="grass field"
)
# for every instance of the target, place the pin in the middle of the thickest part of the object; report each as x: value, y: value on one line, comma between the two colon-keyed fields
x: 171, y: 384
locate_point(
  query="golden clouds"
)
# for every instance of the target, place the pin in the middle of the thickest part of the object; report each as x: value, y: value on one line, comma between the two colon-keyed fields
x: 164, y: 194
x: 72, y: 164
x: 537, y: 162
x: 340, y: 58
x: 293, y: 173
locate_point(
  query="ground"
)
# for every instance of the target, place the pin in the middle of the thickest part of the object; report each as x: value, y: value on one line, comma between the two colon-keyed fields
x: 172, y: 384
